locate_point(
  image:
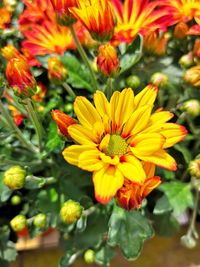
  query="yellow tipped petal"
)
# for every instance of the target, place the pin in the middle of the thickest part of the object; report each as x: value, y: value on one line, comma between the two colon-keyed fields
x: 72, y: 153
x: 82, y: 135
x: 86, y: 112
x: 132, y: 169
x: 146, y: 97
x: 173, y: 133
x: 107, y: 182
x: 137, y: 121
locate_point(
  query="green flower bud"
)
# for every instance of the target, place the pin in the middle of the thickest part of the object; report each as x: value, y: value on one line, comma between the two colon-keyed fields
x: 194, y: 168
x: 89, y: 256
x: 68, y: 107
x: 15, y: 200
x: 192, y: 107
x: 14, y: 177
x: 186, y: 61
x: 70, y: 212
x: 159, y: 79
x: 40, y: 220
x: 188, y: 241
x: 18, y: 223
x: 133, y: 81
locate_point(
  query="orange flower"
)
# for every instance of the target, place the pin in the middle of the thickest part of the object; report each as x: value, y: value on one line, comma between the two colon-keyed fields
x: 196, y: 48
x: 155, y: 43
x: 63, y: 121
x: 61, y: 8
x: 20, y: 78
x: 5, y: 18
x: 131, y: 194
x: 181, y: 30
x: 9, y: 51
x: 194, y: 30
x: 138, y: 16
x: 107, y: 60
x: 56, y: 70
x: 96, y: 16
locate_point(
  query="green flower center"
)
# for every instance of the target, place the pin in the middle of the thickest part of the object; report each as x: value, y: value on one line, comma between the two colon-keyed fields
x: 117, y: 146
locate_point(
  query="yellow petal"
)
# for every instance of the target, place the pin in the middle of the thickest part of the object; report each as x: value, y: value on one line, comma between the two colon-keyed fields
x: 101, y: 103
x: 86, y: 112
x: 132, y: 169
x: 109, y: 160
x: 137, y: 121
x: 107, y: 182
x: 72, y: 153
x: 161, y: 117
x: 82, y: 135
x: 162, y: 159
x: 173, y: 133
x: 90, y: 161
x: 146, y: 97
x: 146, y: 144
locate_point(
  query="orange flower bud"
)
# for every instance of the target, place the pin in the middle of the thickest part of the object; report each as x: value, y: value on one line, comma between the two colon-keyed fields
x: 97, y: 17
x: 107, y: 60
x: 155, y: 43
x: 56, y: 70
x: 181, y: 30
x: 20, y: 78
x: 63, y: 121
x: 196, y: 49
x: 131, y: 194
x: 5, y: 17
x: 9, y: 52
x: 63, y: 15
x: 192, y: 76
x: 159, y: 79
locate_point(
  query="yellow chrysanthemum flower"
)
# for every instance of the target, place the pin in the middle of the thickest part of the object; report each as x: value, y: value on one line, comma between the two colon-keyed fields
x: 114, y: 137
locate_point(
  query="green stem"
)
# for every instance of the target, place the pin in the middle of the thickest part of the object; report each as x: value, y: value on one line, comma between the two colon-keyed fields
x: 109, y: 89
x: 69, y: 90
x: 14, y: 162
x: 84, y: 57
x: 35, y: 120
x: 16, y: 130
x: 192, y: 230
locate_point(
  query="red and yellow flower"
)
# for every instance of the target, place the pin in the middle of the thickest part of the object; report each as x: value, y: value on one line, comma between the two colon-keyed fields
x: 131, y: 194
x: 61, y: 8
x: 5, y: 18
x: 155, y: 42
x: 96, y: 16
x: 137, y: 16
x: 9, y: 52
x: 113, y: 138
x: 56, y: 71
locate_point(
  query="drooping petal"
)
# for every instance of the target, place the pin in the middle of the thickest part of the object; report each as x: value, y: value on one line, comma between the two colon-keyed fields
x: 146, y: 97
x: 150, y: 184
x: 149, y: 169
x: 107, y: 182
x: 86, y: 112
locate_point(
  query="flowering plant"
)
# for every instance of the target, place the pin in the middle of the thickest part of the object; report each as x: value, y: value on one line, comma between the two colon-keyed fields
x: 99, y: 106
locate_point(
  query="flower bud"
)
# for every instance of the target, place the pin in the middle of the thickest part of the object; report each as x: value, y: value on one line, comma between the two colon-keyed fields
x: 186, y: 60
x: 89, y: 256
x: 192, y: 107
x: 10, y: 4
x: 192, y: 76
x: 133, y: 81
x: 5, y: 18
x: 40, y: 220
x: 18, y: 223
x: 20, y: 78
x: 15, y: 200
x: 181, y: 30
x: 194, y: 168
x: 196, y: 48
x: 70, y: 212
x: 155, y: 42
x: 56, y: 70
x: 159, y: 79
x: 63, y: 121
x: 107, y: 60
x: 14, y: 177
x: 63, y: 15
x: 188, y: 241
x: 9, y: 52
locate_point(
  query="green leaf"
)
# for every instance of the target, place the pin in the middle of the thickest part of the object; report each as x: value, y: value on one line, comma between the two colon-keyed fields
x: 165, y: 224
x: 185, y: 152
x: 129, y: 230
x: 104, y: 255
x: 162, y: 206
x: 67, y: 259
x: 132, y: 54
x: 8, y: 251
x: 79, y: 76
x: 179, y: 196
x: 54, y: 140
x: 5, y: 192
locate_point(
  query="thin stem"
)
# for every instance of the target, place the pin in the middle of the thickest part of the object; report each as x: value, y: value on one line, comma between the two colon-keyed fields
x: 192, y: 230
x: 109, y: 89
x: 14, y: 162
x: 16, y: 130
x: 69, y: 90
x: 84, y: 56
x: 35, y: 120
